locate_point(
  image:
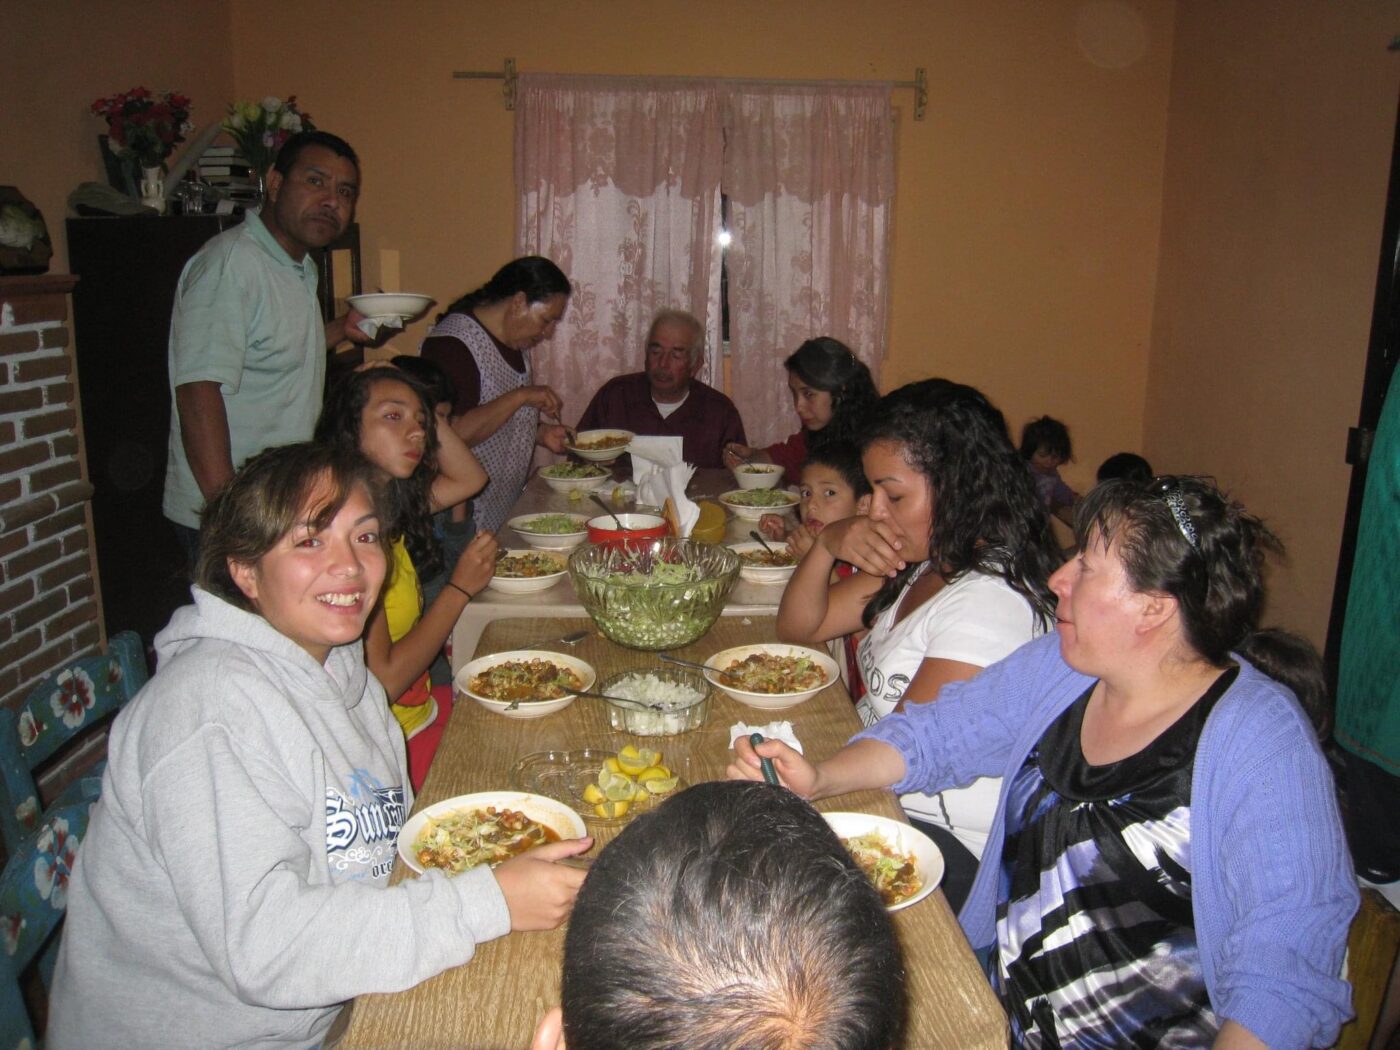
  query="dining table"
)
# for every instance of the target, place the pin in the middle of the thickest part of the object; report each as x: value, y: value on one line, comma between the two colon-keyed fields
x: 495, y: 1001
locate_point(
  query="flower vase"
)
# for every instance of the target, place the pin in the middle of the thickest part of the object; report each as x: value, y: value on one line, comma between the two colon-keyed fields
x: 153, y: 188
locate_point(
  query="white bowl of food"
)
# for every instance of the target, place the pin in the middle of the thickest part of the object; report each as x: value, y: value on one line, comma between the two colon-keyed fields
x: 571, y: 477
x: 527, y: 571
x: 391, y: 304
x: 886, y: 850
x: 487, y: 827
x: 600, y: 446
x: 758, y: 475
x: 771, y: 676
x: 524, y: 683
x: 759, y: 564
x: 752, y: 504
x: 551, y: 531
x: 666, y: 701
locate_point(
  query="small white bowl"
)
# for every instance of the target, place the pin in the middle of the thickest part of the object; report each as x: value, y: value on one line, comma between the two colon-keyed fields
x: 528, y: 584
x: 757, y: 475
x: 567, y: 485
x: 558, y: 817
x: 762, y: 573
x: 928, y: 860
x: 551, y: 541
x: 391, y: 304
x: 600, y: 455
x: 751, y: 513
x: 529, y: 708
x: 769, y: 701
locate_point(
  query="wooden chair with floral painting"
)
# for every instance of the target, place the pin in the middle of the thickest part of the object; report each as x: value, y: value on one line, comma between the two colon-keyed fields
x: 66, y: 704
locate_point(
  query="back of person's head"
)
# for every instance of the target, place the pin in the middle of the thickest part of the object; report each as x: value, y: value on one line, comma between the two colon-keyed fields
x: 534, y: 276
x: 987, y: 515
x: 429, y: 375
x: 1128, y: 465
x: 265, y: 500
x: 303, y: 140
x: 1182, y: 536
x: 671, y: 315
x: 1047, y: 435
x: 731, y: 917
x: 828, y: 364
x: 844, y: 458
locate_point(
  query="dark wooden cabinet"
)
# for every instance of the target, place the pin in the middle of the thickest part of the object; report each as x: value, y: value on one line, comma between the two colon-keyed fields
x: 128, y: 269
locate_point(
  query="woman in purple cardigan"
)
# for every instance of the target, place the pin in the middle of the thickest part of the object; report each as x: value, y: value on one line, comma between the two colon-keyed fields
x: 1167, y: 867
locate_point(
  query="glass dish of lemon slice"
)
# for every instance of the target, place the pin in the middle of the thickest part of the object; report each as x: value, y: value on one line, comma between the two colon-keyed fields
x: 608, y: 787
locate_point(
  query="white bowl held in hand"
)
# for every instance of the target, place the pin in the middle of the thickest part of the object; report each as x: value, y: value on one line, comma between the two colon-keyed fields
x: 556, y: 816
x: 391, y: 304
x: 614, y: 449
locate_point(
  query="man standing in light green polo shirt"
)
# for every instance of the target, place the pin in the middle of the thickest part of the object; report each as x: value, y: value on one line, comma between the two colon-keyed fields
x: 247, y: 344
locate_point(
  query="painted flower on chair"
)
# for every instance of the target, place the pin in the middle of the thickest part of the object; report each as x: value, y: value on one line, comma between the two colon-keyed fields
x: 11, y: 926
x: 73, y: 698
x: 29, y: 728
x: 27, y: 813
x: 54, y: 865
x: 114, y: 672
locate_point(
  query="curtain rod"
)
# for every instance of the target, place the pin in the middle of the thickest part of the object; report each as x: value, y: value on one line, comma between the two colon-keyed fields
x: 919, y: 85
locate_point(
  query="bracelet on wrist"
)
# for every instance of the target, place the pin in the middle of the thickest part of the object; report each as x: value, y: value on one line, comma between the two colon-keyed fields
x: 468, y: 593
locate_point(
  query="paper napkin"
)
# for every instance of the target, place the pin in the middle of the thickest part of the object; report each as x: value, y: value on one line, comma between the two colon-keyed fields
x: 772, y: 731
x: 660, y: 474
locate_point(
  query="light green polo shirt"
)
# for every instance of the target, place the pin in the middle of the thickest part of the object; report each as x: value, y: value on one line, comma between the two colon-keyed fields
x: 246, y: 317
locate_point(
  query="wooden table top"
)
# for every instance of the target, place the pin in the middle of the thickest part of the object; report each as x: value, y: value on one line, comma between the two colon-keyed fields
x: 496, y: 999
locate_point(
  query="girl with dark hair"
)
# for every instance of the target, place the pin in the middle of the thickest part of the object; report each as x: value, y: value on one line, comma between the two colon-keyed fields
x: 386, y: 416
x: 482, y: 341
x: 956, y: 553
x: 239, y: 856
x: 1045, y: 446
x: 831, y: 391
x: 1167, y: 866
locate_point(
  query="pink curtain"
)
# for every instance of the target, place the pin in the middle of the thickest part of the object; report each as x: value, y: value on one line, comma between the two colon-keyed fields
x: 809, y: 171
x: 618, y: 182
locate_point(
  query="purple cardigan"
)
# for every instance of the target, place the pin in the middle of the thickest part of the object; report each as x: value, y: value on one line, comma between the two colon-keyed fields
x: 1272, y: 887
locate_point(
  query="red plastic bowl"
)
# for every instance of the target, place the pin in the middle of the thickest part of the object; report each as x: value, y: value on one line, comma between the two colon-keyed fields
x: 636, y: 527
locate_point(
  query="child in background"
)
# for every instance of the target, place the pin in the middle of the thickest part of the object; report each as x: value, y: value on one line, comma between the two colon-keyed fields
x: 1045, y: 447
x: 1127, y: 465
x: 833, y: 487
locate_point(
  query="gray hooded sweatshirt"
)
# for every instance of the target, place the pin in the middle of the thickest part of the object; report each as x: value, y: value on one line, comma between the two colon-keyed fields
x: 232, y: 888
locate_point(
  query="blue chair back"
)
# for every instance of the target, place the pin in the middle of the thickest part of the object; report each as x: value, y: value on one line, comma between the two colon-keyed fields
x: 33, y: 895
x: 65, y: 704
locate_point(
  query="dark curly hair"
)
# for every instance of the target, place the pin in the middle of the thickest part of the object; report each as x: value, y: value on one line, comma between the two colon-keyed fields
x: 1048, y: 434
x: 987, y: 515
x: 406, y: 500
x: 1217, y: 581
x: 828, y: 364
x: 534, y: 275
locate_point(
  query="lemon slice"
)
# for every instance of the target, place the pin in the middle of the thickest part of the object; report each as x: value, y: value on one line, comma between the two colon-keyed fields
x: 576, y: 496
x: 613, y: 765
x: 609, y: 810
x: 633, y: 759
x: 661, y: 785
x: 593, y: 794
x: 653, y: 773
x: 620, y: 790
x: 606, y: 778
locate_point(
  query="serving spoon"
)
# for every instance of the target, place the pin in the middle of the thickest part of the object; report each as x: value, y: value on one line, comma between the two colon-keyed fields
x: 601, y: 696
x: 764, y: 543
x: 608, y: 510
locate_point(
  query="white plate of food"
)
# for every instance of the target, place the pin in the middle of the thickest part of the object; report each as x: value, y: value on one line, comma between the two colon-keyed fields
x: 758, y: 475
x: 551, y: 531
x: 903, y: 863
x: 391, y: 304
x: 759, y: 564
x: 463, y: 832
x: 571, y: 477
x: 527, y: 571
x: 600, y: 446
x: 536, y: 681
x: 752, y: 504
x: 771, y: 675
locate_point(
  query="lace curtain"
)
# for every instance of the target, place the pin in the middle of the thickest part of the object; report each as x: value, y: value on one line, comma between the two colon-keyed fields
x: 619, y: 182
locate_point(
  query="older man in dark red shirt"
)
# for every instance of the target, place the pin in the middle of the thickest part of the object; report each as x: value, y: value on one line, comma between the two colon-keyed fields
x: 667, y: 399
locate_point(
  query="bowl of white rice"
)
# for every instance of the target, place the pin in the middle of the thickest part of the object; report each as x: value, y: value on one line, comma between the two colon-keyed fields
x: 676, y: 700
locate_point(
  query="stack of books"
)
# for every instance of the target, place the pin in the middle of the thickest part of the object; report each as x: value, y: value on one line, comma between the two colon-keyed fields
x: 228, y: 171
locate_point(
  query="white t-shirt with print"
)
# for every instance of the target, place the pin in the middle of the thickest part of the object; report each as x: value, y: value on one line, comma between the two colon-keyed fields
x: 977, y: 619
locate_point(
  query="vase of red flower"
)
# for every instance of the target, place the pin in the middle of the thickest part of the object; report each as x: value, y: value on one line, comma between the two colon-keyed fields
x: 143, y: 129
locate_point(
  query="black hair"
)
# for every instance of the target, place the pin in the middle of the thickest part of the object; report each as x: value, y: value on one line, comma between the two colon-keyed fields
x: 265, y: 500
x: 407, y: 499
x: 302, y: 140
x: 828, y: 364
x: 429, y: 374
x: 1048, y: 434
x: 533, y: 275
x: 731, y: 917
x: 1125, y: 465
x: 1293, y: 660
x: 1212, y: 563
x: 987, y: 515
x: 844, y: 458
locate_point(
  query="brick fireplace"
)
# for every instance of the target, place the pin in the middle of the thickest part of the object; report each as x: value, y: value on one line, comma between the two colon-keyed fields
x: 48, y: 605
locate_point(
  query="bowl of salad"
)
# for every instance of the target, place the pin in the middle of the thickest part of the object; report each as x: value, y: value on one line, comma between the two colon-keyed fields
x: 550, y: 531
x: 758, y: 475
x: 759, y: 564
x: 660, y: 595
x: 527, y: 571
x: 901, y: 862
x: 752, y: 504
x: 771, y: 676
x: 600, y: 446
x: 524, y: 683
x: 571, y: 477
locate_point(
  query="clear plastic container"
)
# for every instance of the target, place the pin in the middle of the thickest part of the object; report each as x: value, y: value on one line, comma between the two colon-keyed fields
x: 675, y: 715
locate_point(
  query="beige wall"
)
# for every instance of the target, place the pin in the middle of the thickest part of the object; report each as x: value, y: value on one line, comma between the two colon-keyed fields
x: 1278, y: 152
x: 61, y: 55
